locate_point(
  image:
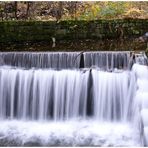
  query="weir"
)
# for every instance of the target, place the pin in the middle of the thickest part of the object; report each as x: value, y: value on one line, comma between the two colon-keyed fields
x: 45, y: 94
x: 73, y: 90
x: 66, y: 60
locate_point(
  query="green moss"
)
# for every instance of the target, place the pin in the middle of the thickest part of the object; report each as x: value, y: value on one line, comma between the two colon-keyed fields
x: 11, y: 31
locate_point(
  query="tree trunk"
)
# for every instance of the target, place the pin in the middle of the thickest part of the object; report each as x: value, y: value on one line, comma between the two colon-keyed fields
x: 15, y: 9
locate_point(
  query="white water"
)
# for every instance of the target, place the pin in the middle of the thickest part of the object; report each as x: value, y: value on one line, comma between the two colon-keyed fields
x: 107, y: 60
x: 113, y: 95
x: 55, y: 60
x: 62, y: 95
x: 69, y: 97
x: 141, y: 101
x: 64, y: 60
x: 70, y: 133
x: 86, y: 107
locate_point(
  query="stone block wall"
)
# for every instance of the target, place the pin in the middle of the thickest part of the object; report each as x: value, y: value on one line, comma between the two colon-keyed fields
x: 34, y: 31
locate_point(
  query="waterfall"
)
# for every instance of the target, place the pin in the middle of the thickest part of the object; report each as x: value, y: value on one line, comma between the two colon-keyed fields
x: 141, y: 59
x: 107, y: 60
x: 113, y: 95
x: 58, y: 60
x: 68, y: 98
x: 66, y: 60
x: 64, y: 94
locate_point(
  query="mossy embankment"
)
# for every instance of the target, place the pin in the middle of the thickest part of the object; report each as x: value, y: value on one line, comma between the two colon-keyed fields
x: 18, y: 32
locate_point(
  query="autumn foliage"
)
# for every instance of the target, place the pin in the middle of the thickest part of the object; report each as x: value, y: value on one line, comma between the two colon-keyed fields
x: 72, y: 10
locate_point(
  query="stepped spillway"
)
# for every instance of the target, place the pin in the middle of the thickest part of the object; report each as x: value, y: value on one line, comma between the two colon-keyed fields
x: 58, y: 95
x: 66, y: 60
x: 82, y: 97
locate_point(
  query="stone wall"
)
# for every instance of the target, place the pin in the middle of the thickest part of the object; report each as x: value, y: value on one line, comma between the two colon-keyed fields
x: 33, y: 31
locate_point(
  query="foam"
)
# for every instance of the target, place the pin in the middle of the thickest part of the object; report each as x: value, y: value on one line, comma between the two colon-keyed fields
x: 141, y: 71
x: 70, y: 133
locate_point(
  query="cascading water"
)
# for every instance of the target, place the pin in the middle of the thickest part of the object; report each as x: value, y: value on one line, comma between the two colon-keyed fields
x: 107, y: 61
x: 62, y: 60
x: 57, y: 60
x: 65, y: 94
x: 85, y: 103
x: 113, y: 94
x: 43, y: 94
